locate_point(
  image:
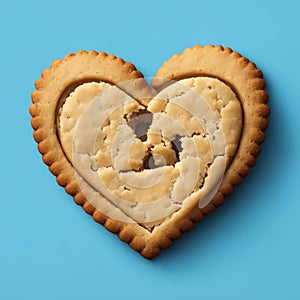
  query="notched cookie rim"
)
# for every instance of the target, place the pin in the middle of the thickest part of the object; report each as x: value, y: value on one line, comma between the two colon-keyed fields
x: 150, y: 245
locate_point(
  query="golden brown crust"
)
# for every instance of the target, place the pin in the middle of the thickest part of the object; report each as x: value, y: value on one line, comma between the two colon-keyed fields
x: 247, y: 82
x: 214, y: 61
x: 60, y: 79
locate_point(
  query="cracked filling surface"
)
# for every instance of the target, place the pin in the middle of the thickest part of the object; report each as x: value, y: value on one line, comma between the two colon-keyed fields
x: 144, y: 162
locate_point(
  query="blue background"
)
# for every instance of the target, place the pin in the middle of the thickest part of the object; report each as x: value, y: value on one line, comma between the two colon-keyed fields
x: 50, y: 249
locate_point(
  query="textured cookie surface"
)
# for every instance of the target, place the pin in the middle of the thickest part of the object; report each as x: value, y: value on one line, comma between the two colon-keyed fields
x: 124, y: 173
x: 146, y: 166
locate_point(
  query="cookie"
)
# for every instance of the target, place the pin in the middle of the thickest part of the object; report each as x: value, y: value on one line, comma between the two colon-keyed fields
x: 148, y: 161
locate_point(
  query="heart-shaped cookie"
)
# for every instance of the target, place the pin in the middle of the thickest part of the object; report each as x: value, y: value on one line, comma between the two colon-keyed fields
x: 148, y: 160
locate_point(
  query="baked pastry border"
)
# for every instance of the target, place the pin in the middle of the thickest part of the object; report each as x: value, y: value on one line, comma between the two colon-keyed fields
x: 215, y: 61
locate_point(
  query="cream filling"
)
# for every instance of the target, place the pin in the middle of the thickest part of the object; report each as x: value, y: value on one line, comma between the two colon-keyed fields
x: 202, y: 113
